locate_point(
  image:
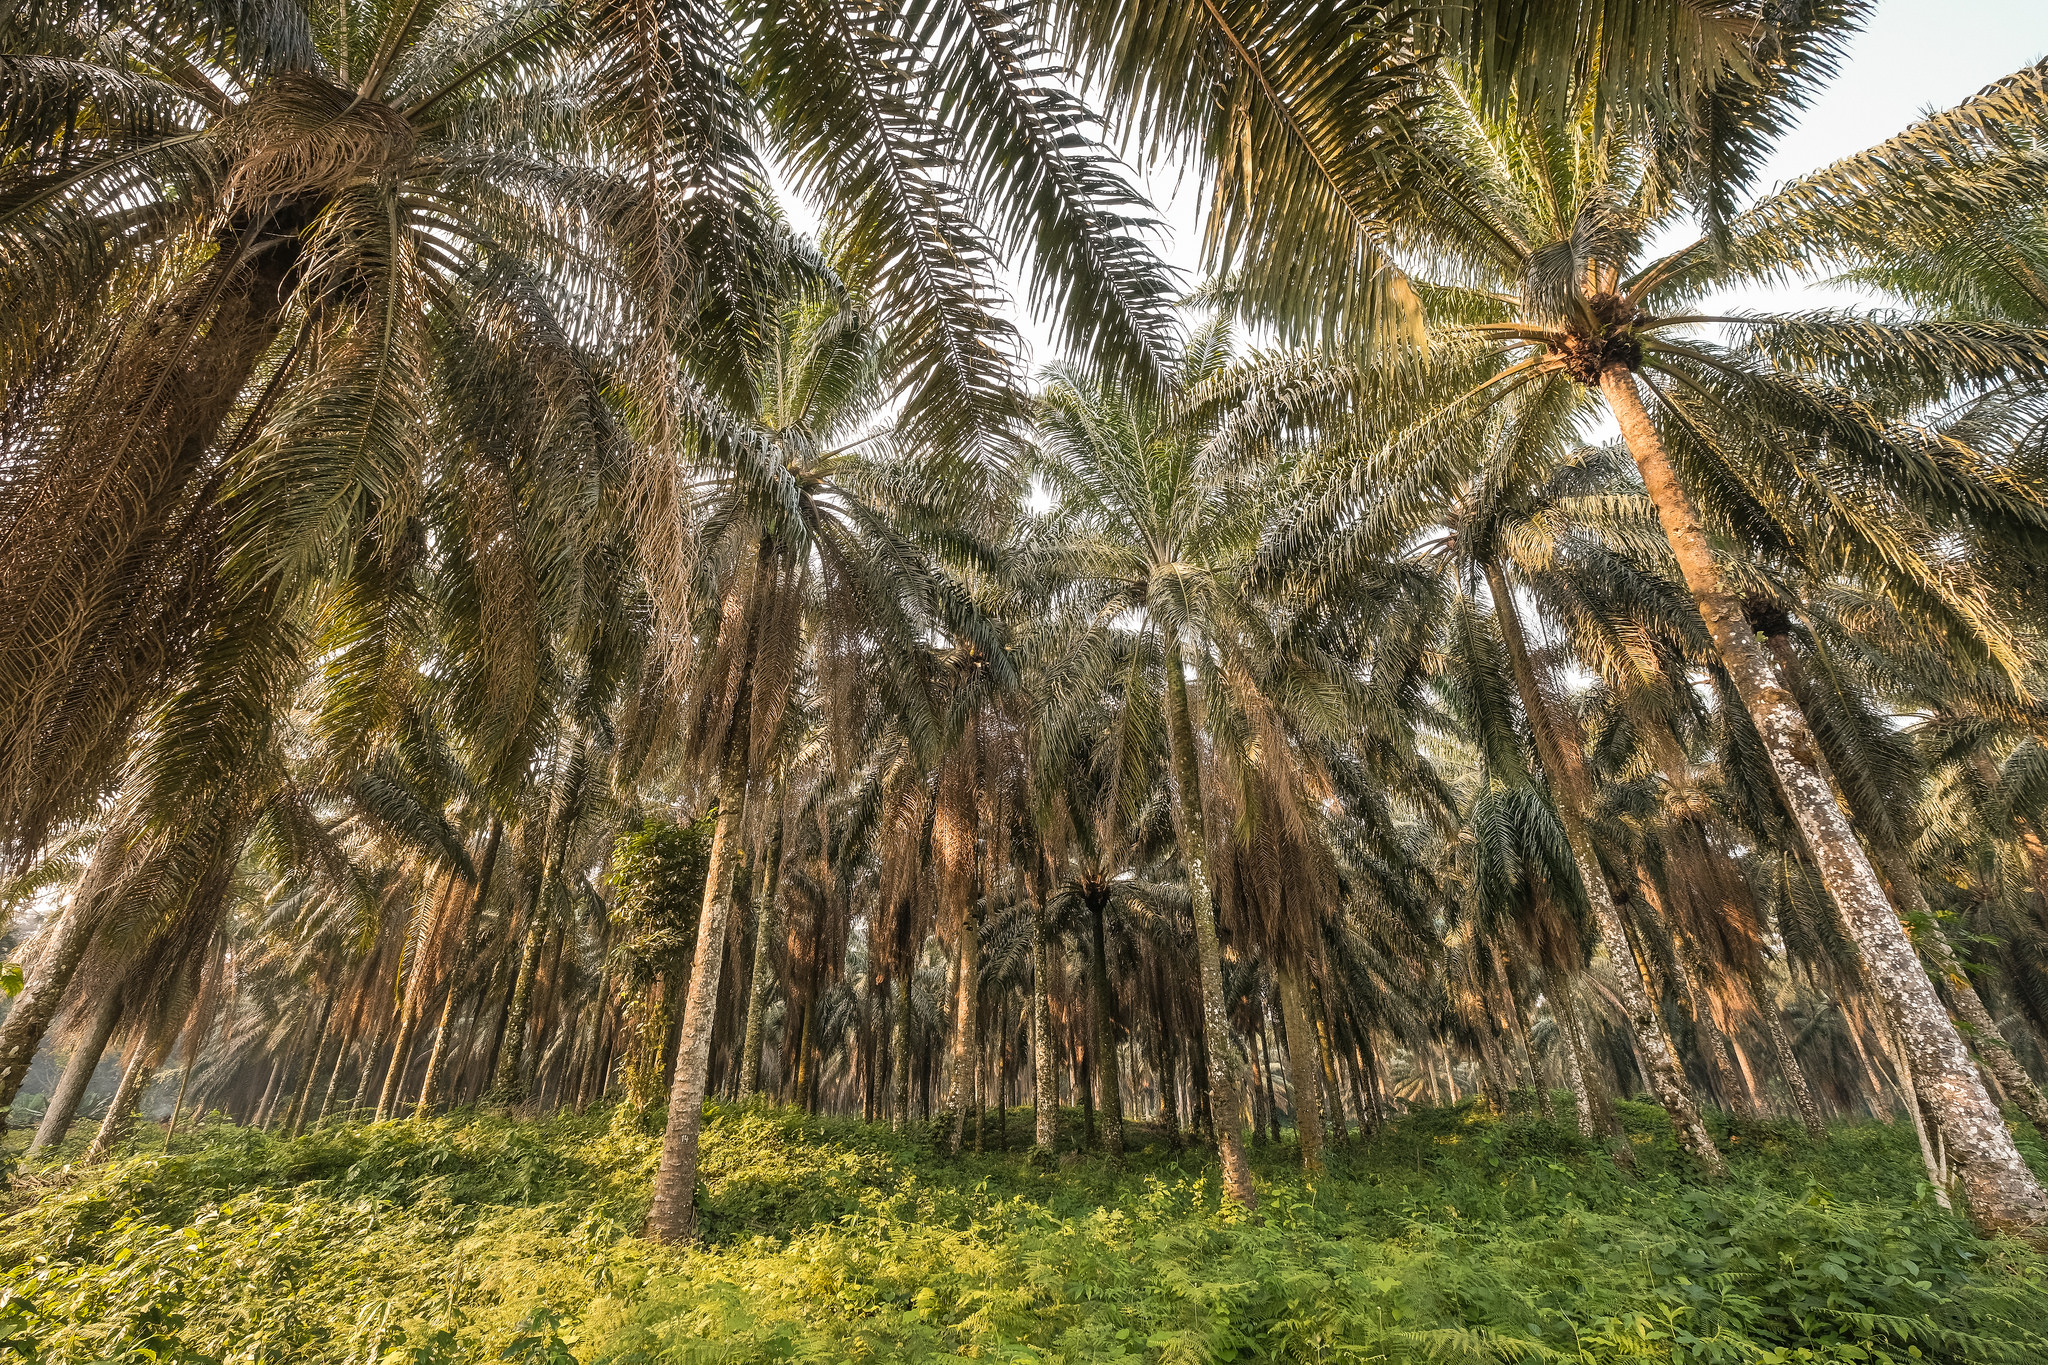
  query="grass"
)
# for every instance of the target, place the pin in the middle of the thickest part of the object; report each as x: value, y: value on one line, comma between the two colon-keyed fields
x: 1451, y: 1237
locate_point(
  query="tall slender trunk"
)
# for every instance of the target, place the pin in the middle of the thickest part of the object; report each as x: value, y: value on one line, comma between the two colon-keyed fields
x: 295, y: 1118
x: 21, y: 1033
x: 1563, y: 753
x: 437, y: 1060
x: 899, y: 1046
x: 1102, y: 1007
x: 1700, y: 1004
x: 966, y: 1022
x: 1578, y: 1066
x: 1226, y: 1101
x: 765, y: 924
x: 120, y: 1115
x: 1788, y: 1060
x: 2003, y: 1193
x: 1986, y: 1041
x: 78, y: 1070
x: 333, y: 1078
x: 1539, y: 1083
x: 260, y: 1116
x: 1304, y: 1068
x: 673, y: 1215
x: 1333, y: 1084
x: 401, y: 1058
x: 508, y: 1082
x: 1044, y: 1070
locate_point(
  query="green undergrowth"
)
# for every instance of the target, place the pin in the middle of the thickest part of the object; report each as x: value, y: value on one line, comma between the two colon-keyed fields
x: 1452, y: 1237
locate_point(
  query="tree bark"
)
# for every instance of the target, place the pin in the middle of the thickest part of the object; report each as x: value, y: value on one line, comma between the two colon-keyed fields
x: 2003, y: 1194
x: 1304, y: 1068
x: 508, y: 1084
x: 22, y: 1031
x: 899, y: 1046
x: 673, y: 1214
x: 1105, y: 1027
x: 401, y: 1057
x: 296, y: 1115
x: 1044, y: 1075
x: 765, y: 924
x: 1788, y: 1060
x: 78, y: 1072
x: 121, y: 1109
x: 1226, y: 1100
x: 966, y: 1022
x: 1563, y: 754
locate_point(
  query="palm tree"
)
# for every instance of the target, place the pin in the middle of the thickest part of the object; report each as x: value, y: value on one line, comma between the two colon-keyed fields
x: 801, y: 538
x: 1536, y: 229
x: 1142, y: 525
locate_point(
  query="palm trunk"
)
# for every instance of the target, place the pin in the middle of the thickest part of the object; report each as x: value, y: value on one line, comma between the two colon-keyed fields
x: 966, y: 1021
x: 121, y: 1109
x: 1225, y: 1092
x: 1788, y: 1060
x: 1304, y: 1068
x: 437, y: 1060
x: 296, y: 1116
x: 765, y: 920
x: 22, y: 1031
x: 508, y: 1084
x: 2003, y: 1193
x: 1333, y: 1084
x: 78, y: 1070
x: 673, y: 1215
x: 401, y: 1056
x: 1105, y: 1029
x: 1986, y: 1041
x: 1044, y: 1075
x: 899, y: 1045
x: 1578, y: 1066
x: 1563, y: 754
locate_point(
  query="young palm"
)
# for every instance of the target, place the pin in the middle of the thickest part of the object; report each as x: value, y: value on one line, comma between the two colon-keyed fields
x: 1145, y: 529
x: 805, y: 537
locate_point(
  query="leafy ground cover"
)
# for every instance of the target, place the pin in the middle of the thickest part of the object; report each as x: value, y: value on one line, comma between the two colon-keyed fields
x: 1452, y: 1237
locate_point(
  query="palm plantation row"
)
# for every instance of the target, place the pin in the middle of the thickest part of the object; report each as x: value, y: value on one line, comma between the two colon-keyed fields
x: 489, y: 612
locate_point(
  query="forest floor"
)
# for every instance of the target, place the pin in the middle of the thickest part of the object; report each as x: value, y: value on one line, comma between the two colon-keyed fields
x: 1450, y: 1237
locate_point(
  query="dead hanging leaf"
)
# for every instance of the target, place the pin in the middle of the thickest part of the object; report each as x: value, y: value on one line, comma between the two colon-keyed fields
x: 301, y: 138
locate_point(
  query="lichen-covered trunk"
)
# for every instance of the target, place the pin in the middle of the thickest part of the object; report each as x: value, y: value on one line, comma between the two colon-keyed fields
x: 966, y: 1031
x: 78, y: 1070
x: 22, y: 1032
x: 673, y: 1215
x: 1226, y: 1101
x: 1044, y: 1078
x: 1563, y: 753
x: 763, y: 982
x: 899, y: 1048
x: 1304, y: 1068
x: 1986, y: 1041
x: 1103, y: 1010
x: 2003, y: 1194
